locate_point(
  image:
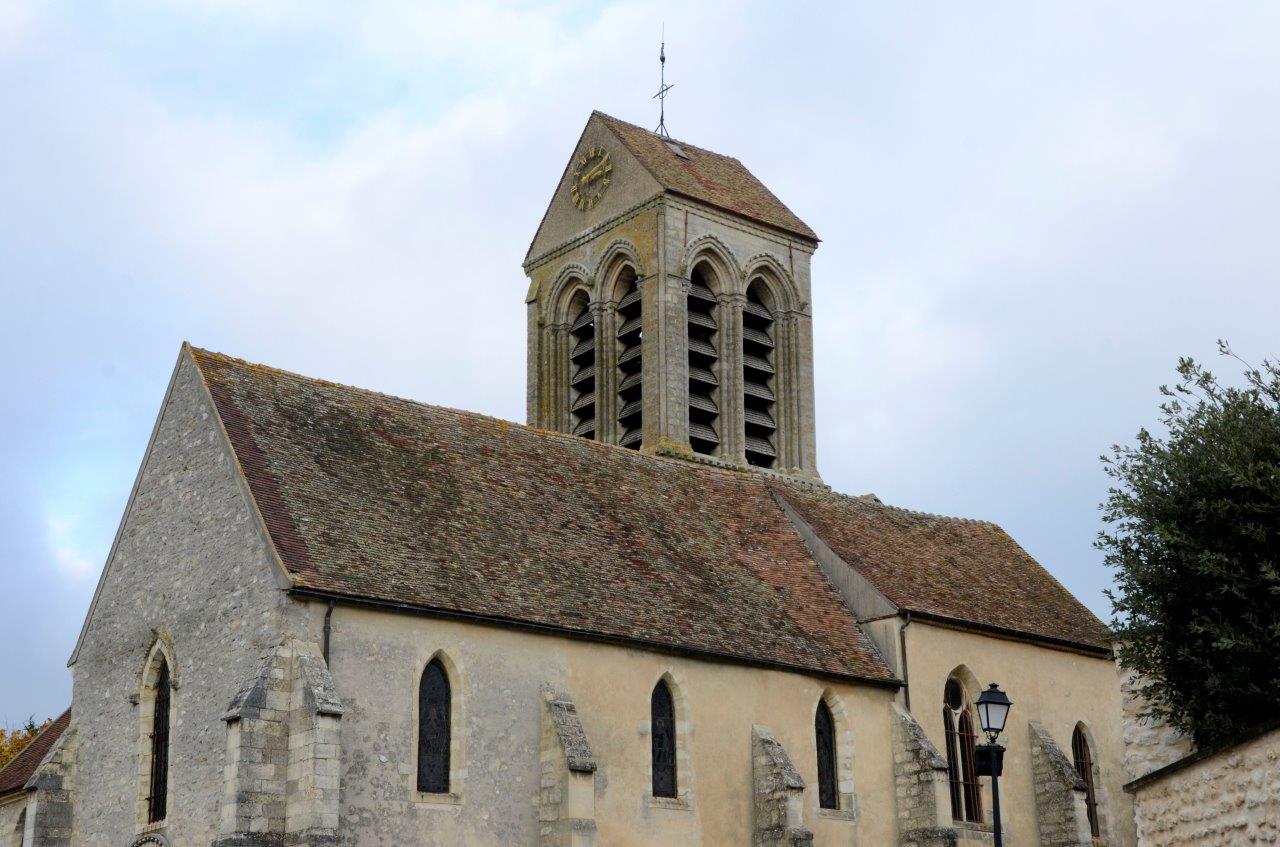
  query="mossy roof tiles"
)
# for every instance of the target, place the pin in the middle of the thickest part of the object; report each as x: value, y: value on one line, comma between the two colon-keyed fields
x: 375, y: 497
x: 720, y: 181
x: 963, y: 570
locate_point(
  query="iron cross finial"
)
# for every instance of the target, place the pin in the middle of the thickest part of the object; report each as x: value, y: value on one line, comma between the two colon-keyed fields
x: 663, y: 88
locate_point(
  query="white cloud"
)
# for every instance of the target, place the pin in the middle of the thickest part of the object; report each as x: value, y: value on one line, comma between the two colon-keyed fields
x: 69, y: 561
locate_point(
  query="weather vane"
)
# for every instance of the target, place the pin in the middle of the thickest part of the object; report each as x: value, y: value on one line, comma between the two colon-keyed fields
x: 663, y: 88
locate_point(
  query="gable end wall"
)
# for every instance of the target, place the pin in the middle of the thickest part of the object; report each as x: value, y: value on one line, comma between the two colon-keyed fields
x: 190, y: 562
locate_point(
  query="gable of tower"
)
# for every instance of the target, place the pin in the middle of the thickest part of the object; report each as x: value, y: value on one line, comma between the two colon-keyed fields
x: 571, y: 214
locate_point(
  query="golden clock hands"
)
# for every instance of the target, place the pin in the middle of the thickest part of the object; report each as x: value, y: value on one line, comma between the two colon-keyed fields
x: 595, y: 173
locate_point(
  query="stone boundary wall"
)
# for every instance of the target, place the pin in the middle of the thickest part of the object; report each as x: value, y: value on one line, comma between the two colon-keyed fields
x: 1225, y: 797
x: 1148, y: 744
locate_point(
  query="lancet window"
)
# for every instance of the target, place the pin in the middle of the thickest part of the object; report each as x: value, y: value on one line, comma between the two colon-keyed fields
x: 663, y: 744
x: 158, y: 785
x: 824, y: 731
x: 1083, y: 759
x: 966, y: 792
x: 435, y: 733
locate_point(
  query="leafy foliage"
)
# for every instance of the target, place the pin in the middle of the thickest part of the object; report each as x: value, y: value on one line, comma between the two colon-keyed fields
x: 13, y: 740
x: 1193, y: 532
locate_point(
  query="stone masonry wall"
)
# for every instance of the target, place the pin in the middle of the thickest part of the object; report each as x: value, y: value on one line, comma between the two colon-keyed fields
x: 920, y: 787
x: 51, y: 792
x: 190, y: 561
x: 1231, y: 797
x: 1061, y: 817
x: 778, y: 788
x: 1148, y: 744
x: 283, y: 751
x: 566, y: 798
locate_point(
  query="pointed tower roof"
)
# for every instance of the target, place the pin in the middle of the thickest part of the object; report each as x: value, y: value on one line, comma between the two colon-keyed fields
x: 711, y: 178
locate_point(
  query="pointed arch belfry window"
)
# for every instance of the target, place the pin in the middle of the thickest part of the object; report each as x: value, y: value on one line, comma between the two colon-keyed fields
x: 158, y: 785
x: 758, y: 368
x: 824, y: 730
x: 435, y: 736
x: 1082, y: 758
x: 582, y: 367
x: 662, y: 724
x: 630, y: 360
x: 961, y: 743
x: 704, y: 390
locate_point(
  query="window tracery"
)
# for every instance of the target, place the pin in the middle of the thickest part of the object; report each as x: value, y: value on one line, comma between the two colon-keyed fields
x: 966, y: 791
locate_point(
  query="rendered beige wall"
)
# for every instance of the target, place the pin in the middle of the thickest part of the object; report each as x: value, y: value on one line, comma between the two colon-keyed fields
x: 1229, y: 798
x: 376, y: 660
x: 10, y: 812
x: 1056, y: 688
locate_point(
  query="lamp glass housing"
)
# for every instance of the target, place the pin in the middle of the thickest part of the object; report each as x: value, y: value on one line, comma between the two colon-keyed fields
x: 993, y: 710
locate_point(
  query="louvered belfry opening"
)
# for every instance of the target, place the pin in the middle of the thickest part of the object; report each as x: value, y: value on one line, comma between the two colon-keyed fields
x: 582, y: 367
x: 704, y: 410
x: 630, y: 364
x: 158, y: 785
x: 758, y: 360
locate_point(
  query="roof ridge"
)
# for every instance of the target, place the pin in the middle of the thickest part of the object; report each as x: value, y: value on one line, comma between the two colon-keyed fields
x: 870, y: 498
x: 665, y: 457
x: 670, y: 140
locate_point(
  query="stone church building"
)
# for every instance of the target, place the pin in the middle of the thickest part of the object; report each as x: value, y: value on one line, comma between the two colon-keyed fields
x: 332, y: 616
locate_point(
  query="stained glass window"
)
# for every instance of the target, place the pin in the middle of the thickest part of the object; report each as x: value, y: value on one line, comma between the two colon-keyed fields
x: 434, y: 734
x: 825, y: 732
x: 663, y: 723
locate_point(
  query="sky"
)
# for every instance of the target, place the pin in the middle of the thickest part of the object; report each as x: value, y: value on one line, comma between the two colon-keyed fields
x: 1028, y: 213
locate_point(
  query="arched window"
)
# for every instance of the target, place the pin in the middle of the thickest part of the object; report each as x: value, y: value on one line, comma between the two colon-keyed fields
x: 158, y: 786
x: 662, y: 724
x: 582, y: 366
x: 759, y: 398
x: 435, y: 703
x: 824, y: 730
x: 630, y: 364
x: 966, y: 792
x: 704, y: 410
x: 1084, y: 767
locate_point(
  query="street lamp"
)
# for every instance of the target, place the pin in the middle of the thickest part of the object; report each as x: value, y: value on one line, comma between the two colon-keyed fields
x: 993, y: 711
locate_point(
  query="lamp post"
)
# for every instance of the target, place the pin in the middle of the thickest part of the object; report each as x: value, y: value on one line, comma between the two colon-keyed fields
x: 993, y: 711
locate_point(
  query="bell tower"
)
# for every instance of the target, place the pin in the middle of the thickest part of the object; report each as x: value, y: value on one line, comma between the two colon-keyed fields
x: 668, y: 306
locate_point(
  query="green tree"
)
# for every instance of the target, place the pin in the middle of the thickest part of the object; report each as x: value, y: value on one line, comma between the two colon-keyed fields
x: 1193, y: 532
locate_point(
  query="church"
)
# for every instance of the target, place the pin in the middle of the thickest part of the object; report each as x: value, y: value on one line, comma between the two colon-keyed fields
x: 332, y: 616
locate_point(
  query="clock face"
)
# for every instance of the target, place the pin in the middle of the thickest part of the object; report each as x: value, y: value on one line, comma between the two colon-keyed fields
x: 591, y: 177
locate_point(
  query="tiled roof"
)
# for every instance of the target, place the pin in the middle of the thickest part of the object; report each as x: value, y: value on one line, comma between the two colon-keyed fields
x: 374, y: 497
x: 717, y: 180
x: 962, y: 570
x: 14, y: 775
